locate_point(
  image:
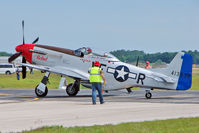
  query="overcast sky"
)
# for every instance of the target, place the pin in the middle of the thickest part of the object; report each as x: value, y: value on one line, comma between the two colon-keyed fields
x: 105, y: 25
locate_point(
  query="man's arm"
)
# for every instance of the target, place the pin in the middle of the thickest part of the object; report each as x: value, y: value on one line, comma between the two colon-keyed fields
x: 89, y: 70
x: 102, y: 74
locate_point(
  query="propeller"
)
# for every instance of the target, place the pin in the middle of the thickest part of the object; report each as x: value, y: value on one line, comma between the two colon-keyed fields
x: 23, y: 68
x: 36, y: 40
x: 137, y: 61
x: 23, y: 32
x: 16, y: 55
x: 23, y: 59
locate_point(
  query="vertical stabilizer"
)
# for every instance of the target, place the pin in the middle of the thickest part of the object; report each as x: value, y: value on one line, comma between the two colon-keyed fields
x: 185, y: 78
x: 180, y: 69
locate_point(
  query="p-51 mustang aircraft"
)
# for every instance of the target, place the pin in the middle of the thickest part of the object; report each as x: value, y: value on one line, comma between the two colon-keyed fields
x: 119, y: 75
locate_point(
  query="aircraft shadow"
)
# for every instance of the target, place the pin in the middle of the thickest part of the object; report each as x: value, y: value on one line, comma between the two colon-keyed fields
x: 78, y: 96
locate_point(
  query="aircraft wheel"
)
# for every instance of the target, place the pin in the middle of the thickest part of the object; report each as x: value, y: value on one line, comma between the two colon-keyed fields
x: 40, y: 93
x: 148, y: 95
x: 71, y: 90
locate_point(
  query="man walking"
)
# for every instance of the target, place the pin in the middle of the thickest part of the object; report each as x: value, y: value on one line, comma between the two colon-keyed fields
x: 18, y: 73
x: 148, y: 66
x: 96, y: 76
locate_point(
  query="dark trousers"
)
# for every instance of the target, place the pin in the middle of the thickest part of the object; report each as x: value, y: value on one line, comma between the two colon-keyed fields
x: 98, y: 87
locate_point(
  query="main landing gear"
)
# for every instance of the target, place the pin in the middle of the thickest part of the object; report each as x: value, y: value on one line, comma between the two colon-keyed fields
x: 73, y: 88
x: 129, y: 90
x: 41, y: 89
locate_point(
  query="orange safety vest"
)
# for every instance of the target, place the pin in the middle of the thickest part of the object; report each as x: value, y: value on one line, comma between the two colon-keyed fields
x: 148, y: 67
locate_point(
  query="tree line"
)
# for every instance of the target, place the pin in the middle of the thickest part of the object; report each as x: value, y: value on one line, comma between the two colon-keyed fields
x: 131, y: 56
x: 5, y: 54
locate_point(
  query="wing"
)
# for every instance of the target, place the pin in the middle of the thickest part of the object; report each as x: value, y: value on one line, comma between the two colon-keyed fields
x: 74, y: 73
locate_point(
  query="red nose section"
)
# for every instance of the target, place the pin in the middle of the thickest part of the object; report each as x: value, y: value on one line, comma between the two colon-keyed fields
x: 25, y: 50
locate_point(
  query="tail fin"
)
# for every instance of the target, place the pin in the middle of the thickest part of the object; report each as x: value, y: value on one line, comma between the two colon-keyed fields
x: 185, y: 78
x: 180, y: 69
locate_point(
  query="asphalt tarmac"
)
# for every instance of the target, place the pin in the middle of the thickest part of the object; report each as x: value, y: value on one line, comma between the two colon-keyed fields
x: 159, y: 96
x: 21, y: 110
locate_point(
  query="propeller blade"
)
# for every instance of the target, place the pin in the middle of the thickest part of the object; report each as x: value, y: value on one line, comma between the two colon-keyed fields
x: 23, y: 68
x: 23, y: 60
x: 36, y: 40
x: 23, y: 31
x: 23, y: 72
x: 14, y: 56
x: 137, y: 61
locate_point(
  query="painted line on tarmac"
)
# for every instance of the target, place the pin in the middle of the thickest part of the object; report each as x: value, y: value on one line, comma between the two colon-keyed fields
x: 31, y: 100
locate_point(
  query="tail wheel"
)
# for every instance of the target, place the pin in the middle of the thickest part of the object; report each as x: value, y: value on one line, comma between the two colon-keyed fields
x: 148, y: 95
x: 40, y: 93
x: 72, y: 90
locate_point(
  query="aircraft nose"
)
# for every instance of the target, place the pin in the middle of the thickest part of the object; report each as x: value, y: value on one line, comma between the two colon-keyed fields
x: 25, y: 50
x: 19, y: 48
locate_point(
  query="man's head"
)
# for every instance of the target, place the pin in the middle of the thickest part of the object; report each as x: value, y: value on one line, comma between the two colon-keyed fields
x: 89, y: 50
x: 96, y: 63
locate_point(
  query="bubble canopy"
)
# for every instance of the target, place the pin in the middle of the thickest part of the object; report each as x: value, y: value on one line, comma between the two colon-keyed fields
x: 89, y: 51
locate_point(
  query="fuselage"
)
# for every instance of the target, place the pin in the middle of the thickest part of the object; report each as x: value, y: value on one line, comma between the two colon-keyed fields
x: 118, y: 74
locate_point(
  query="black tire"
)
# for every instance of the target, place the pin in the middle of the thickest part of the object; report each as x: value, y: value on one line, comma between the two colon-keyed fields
x: 40, y: 93
x: 72, y: 91
x: 148, y: 95
x: 8, y: 73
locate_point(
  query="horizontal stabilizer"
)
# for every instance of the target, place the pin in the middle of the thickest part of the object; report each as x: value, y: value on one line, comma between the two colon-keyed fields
x: 162, y: 78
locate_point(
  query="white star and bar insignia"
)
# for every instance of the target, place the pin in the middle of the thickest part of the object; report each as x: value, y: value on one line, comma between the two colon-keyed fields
x: 121, y: 73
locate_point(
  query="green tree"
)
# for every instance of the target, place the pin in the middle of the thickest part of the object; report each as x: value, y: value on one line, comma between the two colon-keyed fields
x: 5, y: 54
x: 131, y: 56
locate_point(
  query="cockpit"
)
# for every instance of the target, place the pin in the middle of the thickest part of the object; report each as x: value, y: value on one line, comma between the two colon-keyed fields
x: 88, y: 51
x: 83, y: 51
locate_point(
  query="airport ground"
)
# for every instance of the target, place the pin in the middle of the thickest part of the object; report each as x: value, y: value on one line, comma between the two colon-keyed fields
x: 21, y: 110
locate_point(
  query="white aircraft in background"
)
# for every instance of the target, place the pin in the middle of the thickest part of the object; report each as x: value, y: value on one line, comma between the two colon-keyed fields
x: 119, y: 75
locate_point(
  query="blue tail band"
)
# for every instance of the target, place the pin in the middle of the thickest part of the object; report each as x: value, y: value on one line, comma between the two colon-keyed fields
x: 185, y: 78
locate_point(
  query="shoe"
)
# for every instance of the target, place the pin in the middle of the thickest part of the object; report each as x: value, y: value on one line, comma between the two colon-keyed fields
x: 102, y: 103
x: 94, y: 103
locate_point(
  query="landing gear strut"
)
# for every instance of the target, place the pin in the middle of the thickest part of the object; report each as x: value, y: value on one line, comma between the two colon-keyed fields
x: 73, y: 88
x: 129, y: 90
x: 41, y: 89
x: 148, y: 94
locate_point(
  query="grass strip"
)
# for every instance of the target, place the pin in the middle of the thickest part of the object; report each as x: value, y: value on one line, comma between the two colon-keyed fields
x: 181, y: 125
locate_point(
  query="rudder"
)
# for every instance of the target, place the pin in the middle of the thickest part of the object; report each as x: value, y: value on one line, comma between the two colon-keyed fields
x: 185, y: 78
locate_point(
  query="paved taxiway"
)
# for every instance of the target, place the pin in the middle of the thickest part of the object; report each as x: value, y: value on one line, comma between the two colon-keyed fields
x: 21, y: 110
